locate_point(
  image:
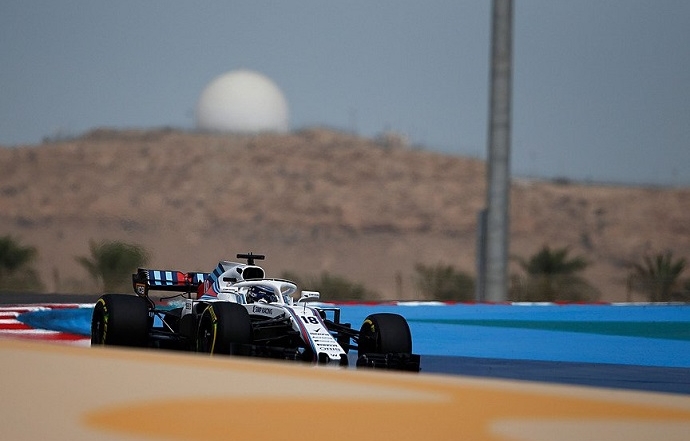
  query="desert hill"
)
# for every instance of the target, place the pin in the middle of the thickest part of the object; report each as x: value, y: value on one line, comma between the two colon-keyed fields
x: 314, y: 200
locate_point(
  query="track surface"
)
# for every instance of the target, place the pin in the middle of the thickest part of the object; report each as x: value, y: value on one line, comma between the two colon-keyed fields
x: 109, y: 394
x: 629, y: 347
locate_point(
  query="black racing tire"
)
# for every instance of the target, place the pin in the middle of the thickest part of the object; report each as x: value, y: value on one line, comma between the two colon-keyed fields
x: 120, y: 320
x: 385, y: 333
x: 222, y: 327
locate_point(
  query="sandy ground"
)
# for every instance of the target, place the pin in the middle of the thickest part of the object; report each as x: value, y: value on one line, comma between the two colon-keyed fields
x: 60, y: 392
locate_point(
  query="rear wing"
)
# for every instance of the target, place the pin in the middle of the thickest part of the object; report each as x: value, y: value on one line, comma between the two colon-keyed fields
x: 166, y: 280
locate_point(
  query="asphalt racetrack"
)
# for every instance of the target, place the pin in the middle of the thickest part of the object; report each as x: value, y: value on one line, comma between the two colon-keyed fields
x: 640, y: 347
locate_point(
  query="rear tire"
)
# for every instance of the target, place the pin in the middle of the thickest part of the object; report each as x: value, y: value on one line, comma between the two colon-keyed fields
x: 385, y: 333
x: 120, y: 320
x: 222, y: 327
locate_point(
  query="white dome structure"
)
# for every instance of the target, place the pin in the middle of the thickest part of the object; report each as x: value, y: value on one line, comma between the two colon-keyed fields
x: 242, y: 101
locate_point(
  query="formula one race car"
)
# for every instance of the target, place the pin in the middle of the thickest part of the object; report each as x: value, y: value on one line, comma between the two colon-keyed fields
x: 237, y: 310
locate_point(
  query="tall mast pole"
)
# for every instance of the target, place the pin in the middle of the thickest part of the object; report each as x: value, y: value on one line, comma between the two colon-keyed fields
x: 495, y: 282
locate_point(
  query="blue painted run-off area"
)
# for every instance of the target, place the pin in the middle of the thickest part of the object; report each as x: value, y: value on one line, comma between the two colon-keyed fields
x: 642, y: 335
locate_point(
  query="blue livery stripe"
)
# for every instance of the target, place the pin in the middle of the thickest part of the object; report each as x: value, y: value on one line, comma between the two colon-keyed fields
x: 217, y: 273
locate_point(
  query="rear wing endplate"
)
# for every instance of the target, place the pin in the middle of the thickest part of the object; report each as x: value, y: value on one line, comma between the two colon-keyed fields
x: 166, y: 280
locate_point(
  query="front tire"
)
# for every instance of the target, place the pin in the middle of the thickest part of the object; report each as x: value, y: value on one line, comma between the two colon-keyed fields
x: 385, y: 333
x: 120, y: 320
x: 222, y: 328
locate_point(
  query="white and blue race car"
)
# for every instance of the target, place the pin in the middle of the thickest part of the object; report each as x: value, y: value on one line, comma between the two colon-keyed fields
x: 236, y: 310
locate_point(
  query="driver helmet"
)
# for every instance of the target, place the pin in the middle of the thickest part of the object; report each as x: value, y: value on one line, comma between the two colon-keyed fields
x: 261, y: 293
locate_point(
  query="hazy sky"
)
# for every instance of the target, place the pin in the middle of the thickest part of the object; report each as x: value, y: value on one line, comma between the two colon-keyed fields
x: 601, y: 88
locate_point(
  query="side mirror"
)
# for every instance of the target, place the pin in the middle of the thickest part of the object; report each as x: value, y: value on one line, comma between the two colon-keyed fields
x: 309, y: 296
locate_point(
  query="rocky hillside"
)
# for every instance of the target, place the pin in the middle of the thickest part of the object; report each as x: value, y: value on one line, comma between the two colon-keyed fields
x: 313, y: 201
